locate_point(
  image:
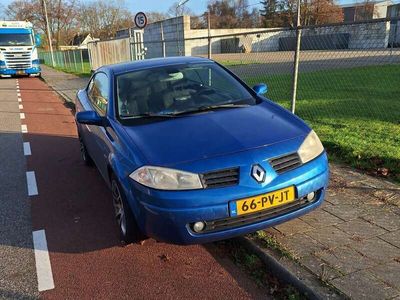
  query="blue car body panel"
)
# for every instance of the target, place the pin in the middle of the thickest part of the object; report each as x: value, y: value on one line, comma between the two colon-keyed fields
x: 200, y: 143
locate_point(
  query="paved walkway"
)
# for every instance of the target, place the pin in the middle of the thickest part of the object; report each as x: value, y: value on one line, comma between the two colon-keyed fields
x: 63, y: 83
x: 352, y: 242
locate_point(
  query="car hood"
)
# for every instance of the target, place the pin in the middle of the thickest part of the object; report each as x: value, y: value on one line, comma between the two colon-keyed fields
x: 212, y: 133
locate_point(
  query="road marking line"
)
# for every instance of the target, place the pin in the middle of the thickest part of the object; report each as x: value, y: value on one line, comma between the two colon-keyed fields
x: 42, y: 258
x: 18, y: 94
x: 24, y: 128
x: 21, y: 106
x: 19, y: 99
x: 21, y: 116
x: 27, y: 148
x: 31, y: 181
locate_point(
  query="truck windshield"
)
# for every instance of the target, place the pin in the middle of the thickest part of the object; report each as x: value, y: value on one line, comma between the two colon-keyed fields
x: 22, y: 39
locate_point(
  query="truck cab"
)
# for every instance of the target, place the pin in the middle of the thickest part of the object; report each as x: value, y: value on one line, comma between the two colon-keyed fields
x: 18, y: 49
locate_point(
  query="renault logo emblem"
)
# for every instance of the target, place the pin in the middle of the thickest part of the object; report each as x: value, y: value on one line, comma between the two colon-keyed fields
x: 258, y: 173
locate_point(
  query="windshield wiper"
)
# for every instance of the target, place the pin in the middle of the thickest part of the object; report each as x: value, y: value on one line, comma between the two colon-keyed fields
x: 212, y: 107
x: 149, y: 115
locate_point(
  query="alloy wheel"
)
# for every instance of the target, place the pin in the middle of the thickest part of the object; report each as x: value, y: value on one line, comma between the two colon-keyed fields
x: 118, y: 207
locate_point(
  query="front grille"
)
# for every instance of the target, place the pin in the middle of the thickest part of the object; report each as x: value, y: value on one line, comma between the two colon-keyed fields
x: 285, y: 163
x: 232, y: 222
x: 18, y: 60
x: 220, y: 178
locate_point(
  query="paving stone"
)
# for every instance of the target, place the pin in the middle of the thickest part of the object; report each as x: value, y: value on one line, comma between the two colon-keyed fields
x: 345, y: 259
x: 293, y: 227
x: 320, y: 268
x: 386, y: 219
x: 389, y: 273
x: 363, y: 285
x: 361, y: 229
x: 330, y: 236
x: 346, y: 212
x: 300, y: 244
x: 377, y: 249
x: 320, y: 218
x: 388, y: 196
x: 392, y: 238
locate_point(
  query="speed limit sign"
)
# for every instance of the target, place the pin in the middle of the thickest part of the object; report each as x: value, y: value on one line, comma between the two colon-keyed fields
x: 140, y: 20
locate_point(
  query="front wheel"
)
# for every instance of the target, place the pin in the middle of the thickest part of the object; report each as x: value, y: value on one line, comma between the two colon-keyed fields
x: 128, y: 228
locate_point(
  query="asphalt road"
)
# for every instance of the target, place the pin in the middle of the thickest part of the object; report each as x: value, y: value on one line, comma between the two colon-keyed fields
x: 73, y: 208
x: 281, y: 62
x: 17, y: 264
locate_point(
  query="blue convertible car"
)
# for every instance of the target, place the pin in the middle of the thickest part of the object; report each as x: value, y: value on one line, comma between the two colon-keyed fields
x: 193, y: 155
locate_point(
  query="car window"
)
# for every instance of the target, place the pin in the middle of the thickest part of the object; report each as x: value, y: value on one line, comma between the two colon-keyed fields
x: 177, y: 88
x: 98, y: 92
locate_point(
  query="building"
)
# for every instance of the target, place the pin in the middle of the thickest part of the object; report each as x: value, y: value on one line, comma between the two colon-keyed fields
x: 79, y: 42
x: 366, y: 10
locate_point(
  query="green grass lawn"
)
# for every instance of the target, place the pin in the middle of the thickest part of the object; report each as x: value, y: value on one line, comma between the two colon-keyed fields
x: 236, y: 62
x: 356, y: 112
x: 79, y: 69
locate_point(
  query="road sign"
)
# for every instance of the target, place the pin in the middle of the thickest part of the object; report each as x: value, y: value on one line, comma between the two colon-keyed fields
x: 140, y: 20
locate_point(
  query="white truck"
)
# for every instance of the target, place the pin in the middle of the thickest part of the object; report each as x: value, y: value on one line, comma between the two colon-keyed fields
x: 18, y: 49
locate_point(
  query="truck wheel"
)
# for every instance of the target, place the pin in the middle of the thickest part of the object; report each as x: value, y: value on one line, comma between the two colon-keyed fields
x: 128, y: 228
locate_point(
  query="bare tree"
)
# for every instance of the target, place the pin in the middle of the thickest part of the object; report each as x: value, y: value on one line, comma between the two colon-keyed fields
x: 282, y: 13
x: 155, y: 16
x: 232, y: 14
x: 104, y: 18
x: 61, y: 14
x: 174, y: 10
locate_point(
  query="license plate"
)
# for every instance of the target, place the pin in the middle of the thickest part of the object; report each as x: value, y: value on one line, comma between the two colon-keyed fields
x: 20, y: 72
x: 261, y: 202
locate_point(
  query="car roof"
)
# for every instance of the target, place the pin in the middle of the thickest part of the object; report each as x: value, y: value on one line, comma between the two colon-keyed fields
x: 151, y: 63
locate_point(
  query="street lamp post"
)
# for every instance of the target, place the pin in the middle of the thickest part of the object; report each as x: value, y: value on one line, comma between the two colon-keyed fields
x: 181, y: 3
x: 48, y: 33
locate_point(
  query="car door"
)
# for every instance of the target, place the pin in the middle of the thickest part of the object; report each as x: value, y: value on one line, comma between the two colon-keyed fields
x: 100, y: 139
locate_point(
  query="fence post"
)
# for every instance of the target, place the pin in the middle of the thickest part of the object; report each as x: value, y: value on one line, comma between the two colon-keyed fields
x: 64, y: 60
x: 162, y: 39
x: 209, y: 34
x: 75, y: 66
x: 296, y: 59
x: 83, y: 66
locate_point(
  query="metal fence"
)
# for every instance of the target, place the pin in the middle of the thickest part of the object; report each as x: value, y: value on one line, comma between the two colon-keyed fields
x: 75, y: 61
x: 348, y: 85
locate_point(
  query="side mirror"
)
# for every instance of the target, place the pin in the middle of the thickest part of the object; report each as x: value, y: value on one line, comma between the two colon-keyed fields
x: 260, y: 88
x: 89, y: 117
x: 38, y: 40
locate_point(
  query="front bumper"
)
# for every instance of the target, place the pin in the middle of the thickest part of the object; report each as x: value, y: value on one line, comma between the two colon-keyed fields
x: 29, y: 71
x: 172, y: 224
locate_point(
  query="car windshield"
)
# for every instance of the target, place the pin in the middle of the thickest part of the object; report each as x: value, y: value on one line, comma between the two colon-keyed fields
x: 23, y: 39
x: 178, y: 89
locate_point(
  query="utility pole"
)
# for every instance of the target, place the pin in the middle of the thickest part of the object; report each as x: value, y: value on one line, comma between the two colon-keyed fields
x: 296, y: 59
x: 209, y: 34
x: 48, y: 33
x: 178, y: 6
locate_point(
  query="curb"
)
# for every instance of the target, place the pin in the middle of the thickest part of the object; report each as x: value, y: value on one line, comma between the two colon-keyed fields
x: 291, y: 273
x: 70, y: 103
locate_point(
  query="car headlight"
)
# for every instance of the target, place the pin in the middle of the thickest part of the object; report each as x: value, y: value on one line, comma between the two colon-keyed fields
x: 310, y: 148
x: 166, y: 179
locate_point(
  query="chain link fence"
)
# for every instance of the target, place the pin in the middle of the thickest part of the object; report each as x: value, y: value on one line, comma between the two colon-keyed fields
x: 72, y: 61
x: 348, y: 85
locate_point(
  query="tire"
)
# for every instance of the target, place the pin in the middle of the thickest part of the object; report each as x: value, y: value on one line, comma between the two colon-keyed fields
x: 127, y: 225
x: 84, y: 153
